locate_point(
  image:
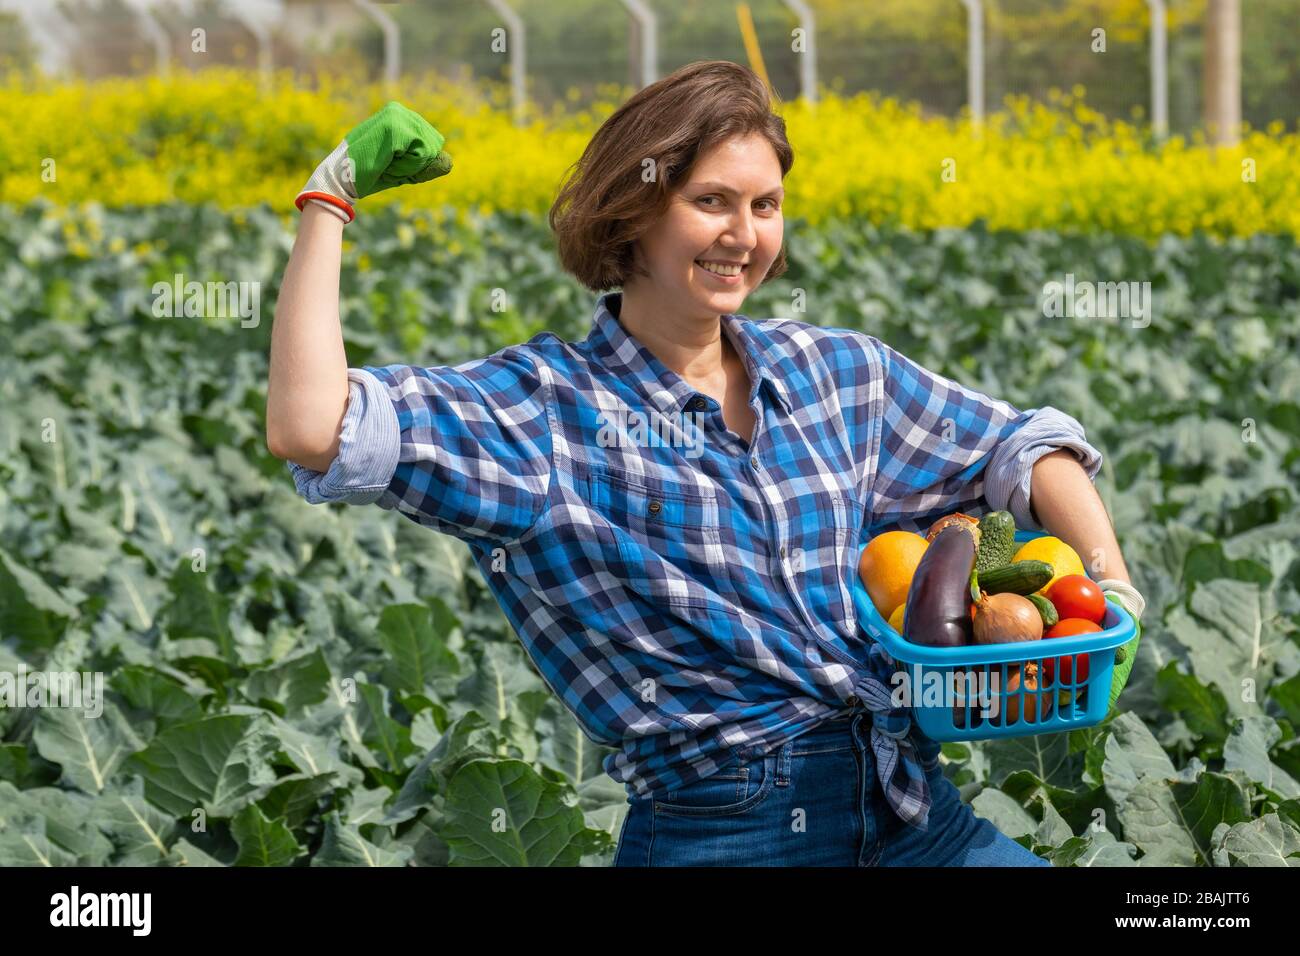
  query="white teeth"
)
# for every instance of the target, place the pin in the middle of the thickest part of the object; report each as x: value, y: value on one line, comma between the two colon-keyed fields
x: 719, y: 268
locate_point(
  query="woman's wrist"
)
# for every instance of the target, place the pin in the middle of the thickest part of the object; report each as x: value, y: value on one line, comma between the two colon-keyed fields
x: 318, y: 216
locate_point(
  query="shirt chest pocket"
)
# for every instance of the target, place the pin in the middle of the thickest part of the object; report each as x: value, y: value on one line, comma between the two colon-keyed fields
x: 668, y: 533
x: 820, y: 558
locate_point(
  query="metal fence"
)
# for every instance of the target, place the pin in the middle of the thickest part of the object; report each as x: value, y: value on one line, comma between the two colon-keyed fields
x: 1135, y: 58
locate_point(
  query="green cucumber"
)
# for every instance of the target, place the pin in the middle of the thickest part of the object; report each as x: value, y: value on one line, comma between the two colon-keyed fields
x: 997, y: 541
x: 1022, y: 577
x: 1046, y: 610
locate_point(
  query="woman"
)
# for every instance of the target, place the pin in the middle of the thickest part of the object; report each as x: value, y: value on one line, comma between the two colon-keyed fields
x: 670, y: 510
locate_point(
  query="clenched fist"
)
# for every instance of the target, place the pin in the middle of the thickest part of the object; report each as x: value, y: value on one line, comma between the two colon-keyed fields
x: 394, y: 147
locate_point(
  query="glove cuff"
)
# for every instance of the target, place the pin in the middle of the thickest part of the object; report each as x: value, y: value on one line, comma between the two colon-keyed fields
x: 1125, y: 595
x: 335, y: 205
x: 332, y: 183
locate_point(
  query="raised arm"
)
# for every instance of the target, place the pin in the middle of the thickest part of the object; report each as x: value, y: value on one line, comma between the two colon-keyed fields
x: 308, y: 391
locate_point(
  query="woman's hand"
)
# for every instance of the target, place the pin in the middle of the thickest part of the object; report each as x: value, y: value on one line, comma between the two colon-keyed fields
x: 1127, y: 597
x: 394, y: 147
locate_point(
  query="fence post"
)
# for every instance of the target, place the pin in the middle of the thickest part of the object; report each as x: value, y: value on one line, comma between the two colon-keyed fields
x: 1223, y: 71
x: 392, y: 38
x: 648, y: 30
x: 154, y: 32
x: 254, y: 15
x: 975, y: 59
x: 808, y: 62
x: 515, y: 38
x: 47, y: 28
x: 1159, y: 69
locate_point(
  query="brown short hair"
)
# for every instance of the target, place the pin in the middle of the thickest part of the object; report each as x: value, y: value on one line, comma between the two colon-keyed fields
x: 602, y: 208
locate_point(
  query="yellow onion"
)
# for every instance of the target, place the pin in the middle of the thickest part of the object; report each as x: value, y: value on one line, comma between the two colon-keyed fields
x: 1005, y: 619
x: 959, y: 520
x: 1028, y: 673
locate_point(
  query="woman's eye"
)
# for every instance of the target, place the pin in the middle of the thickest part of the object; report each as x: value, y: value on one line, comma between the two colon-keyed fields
x: 771, y: 203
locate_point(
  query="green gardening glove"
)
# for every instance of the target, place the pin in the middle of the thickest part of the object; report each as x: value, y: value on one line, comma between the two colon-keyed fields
x: 1127, y: 597
x: 394, y: 147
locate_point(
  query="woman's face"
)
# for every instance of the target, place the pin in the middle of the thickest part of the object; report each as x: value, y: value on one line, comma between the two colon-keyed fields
x: 728, y: 212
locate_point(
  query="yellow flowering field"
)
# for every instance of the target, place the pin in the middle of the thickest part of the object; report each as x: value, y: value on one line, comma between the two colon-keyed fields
x: 217, y: 136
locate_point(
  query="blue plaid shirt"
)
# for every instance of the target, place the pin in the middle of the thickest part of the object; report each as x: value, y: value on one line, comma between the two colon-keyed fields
x: 684, y: 590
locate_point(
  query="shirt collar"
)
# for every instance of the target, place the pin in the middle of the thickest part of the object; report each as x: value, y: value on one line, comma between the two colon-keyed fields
x: 665, y: 389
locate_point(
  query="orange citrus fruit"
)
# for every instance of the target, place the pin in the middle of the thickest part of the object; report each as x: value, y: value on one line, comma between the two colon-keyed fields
x: 888, y: 562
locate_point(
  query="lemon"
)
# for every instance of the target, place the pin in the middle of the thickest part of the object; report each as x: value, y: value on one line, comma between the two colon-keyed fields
x: 888, y: 562
x: 1063, y: 558
x: 896, y: 619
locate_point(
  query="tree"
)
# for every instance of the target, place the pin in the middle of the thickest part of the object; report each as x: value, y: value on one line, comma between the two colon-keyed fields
x: 1223, y: 71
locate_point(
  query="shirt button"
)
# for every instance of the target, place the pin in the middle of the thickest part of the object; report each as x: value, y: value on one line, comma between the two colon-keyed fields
x: 699, y: 404
x: 655, y: 505
x: 754, y: 461
x: 782, y: 552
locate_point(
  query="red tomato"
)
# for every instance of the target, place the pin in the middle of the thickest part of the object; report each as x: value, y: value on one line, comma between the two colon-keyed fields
x: 1068, y: 627
x: 1078, y: 596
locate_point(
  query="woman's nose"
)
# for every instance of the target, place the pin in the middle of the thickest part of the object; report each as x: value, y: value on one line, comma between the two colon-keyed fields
x: 742, y: 230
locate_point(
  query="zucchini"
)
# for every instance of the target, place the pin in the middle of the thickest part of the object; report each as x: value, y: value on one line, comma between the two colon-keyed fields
x: 1022, y: 577
x: 997, y: 541
x: 1046, y: 610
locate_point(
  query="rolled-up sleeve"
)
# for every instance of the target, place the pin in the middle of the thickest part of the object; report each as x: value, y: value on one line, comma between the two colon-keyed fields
x: 1006, y: 483
x: 463, y: 449
x: 942, y: 447
x: 369, y: 445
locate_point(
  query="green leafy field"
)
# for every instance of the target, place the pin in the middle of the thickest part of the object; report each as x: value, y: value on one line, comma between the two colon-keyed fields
x: 282, y: 688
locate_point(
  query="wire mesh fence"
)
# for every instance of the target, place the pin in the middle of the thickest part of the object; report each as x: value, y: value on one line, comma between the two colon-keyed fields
x: 911, y: 50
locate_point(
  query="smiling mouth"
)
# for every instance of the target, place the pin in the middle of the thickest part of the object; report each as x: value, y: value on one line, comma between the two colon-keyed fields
x: 726, y: 269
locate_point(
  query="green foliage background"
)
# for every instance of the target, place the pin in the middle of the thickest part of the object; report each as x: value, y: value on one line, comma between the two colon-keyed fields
x: 357, y: 697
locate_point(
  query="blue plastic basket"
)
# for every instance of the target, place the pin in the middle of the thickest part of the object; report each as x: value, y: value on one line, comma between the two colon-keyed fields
x: 982, y: 707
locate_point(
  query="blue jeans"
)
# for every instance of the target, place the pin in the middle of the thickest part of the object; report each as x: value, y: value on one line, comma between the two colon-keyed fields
x: 813, y: 801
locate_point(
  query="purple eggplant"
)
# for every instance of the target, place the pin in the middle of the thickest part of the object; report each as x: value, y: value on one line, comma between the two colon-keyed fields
x: 938, y: 600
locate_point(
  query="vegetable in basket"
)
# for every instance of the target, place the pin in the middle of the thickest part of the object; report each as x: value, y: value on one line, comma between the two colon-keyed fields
x: 938, y: 601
